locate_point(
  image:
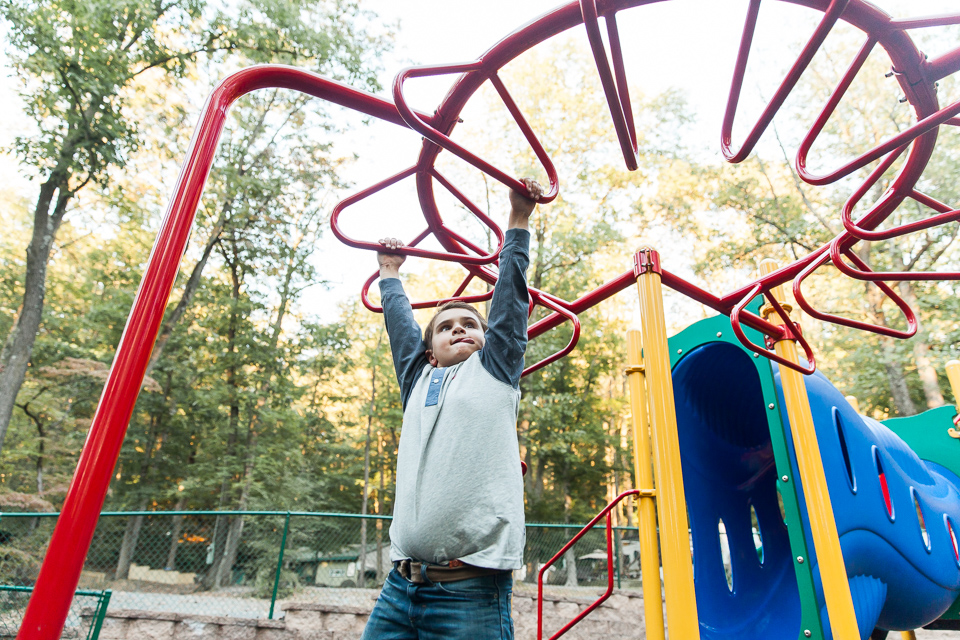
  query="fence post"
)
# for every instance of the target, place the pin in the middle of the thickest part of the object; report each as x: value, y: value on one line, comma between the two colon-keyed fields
x: 102, y: 603
x: 276, y: 578
x: 616, y: 549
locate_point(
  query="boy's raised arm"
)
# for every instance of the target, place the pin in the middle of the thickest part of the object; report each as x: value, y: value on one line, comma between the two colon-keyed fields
x: 406, y: 342
x: 506, y: 339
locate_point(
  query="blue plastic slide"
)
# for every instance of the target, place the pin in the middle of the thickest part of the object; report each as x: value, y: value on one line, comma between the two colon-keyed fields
x: 899, y: 544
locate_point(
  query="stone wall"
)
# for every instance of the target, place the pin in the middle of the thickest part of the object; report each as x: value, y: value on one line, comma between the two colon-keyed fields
x: 619, y: 618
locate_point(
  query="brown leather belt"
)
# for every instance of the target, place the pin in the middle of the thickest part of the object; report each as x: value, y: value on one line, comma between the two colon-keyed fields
x: 413, y: 571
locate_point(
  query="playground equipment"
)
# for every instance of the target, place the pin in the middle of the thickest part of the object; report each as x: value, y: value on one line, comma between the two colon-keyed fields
x: 690, y: 614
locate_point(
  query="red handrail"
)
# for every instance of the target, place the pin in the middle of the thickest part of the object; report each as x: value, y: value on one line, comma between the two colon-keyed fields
x: 606, y: 594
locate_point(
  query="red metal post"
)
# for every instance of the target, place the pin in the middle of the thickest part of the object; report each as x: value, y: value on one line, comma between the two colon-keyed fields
x: 60, y: 572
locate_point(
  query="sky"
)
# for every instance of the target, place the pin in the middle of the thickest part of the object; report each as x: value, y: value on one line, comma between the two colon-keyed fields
x: 685, y: 44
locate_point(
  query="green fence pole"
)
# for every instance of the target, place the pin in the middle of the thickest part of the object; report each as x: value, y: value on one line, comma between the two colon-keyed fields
x: 104, y: 602
x: 276, y: 579
x: 617, y: 555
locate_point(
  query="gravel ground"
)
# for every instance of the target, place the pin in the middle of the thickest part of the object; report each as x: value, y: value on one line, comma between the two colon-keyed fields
x: 200, y: 604
x: 235, y: 603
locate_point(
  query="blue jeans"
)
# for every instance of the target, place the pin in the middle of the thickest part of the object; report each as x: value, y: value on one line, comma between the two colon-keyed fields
x: 473, y: 609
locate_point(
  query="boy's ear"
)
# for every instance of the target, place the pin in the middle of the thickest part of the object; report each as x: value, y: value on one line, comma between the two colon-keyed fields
x: 433, y: 361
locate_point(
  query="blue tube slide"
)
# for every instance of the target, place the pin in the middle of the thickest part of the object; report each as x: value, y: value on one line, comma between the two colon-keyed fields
x: 901, y: 559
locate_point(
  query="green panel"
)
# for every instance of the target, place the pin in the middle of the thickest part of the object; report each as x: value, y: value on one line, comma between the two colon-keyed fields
x: 717, y: 329
x: 926, y: 433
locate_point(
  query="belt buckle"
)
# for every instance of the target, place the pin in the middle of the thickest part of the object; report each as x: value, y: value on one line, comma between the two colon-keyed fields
x: 403, y: 567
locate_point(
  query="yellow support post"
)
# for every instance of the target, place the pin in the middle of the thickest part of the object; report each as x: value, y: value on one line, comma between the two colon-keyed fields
x: 908, y: 635
x: 852, y: 400
x: 836, y: 588
x: 953, y: 375
x: 682, y: 619
x: 646, y: 506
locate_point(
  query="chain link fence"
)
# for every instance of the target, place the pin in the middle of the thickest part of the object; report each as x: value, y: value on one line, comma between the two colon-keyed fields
x: 246, y: 564
x: 84, y: 619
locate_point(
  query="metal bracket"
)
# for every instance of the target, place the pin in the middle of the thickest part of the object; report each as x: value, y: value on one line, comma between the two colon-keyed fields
x: 636, y: 368
x: 647, y: 259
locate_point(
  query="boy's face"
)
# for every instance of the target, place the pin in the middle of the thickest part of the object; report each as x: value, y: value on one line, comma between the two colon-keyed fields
x: 457, y: 334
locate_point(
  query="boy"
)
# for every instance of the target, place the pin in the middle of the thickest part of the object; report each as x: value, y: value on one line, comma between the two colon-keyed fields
x: 458, y: 527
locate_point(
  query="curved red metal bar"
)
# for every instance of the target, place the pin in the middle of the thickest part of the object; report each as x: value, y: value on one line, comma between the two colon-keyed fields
x: 838, y: 249
x: 411, y: 250
x: 48, y: 607
x: 789, y: 326
x: 946, y: 213
x: 606, y: 594
x: 444, y: 141
x: 424, y: 304
x: 556, y: 305
x: 929, y: 124
x: 908, y: 313
x: 830, y: 17
x: 614, y: 88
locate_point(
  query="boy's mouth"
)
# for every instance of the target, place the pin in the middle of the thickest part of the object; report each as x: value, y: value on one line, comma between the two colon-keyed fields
x: 466, y: 340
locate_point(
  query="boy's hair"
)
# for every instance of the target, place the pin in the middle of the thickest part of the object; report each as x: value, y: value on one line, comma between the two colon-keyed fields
x: 454, y: 304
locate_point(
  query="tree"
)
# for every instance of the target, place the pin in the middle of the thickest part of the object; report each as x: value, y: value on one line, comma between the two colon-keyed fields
x: 80, y: 61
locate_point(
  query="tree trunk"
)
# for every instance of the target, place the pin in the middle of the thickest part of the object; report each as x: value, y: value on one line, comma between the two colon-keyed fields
x: 132, y: 533
x: 928, y: 374
x: 932, y: 393
x: 18, y: 348
x: 236, y: 525
x: 899, y: 391
x: 570, y: 561
x: 193, y: 283
x: 220, y: 530
x: 379, y: 507
x: 129, y: 546
x: 570, y: 557
x: 171, y: 563
x: 361, y: 578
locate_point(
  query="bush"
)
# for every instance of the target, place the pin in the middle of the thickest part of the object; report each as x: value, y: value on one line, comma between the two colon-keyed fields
x: 17, y: 567
x: 289, y: 583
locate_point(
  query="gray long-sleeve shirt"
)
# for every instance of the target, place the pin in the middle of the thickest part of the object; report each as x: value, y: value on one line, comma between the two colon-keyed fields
x: 459, y: 485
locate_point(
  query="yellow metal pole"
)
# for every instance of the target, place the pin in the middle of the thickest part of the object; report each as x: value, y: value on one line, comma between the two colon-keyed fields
x: 682, y: 619
x: 836, y: 588
x: 646, y: 506
x: 908, y: 635
x: 852, y: 400
x: 953, y: 374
